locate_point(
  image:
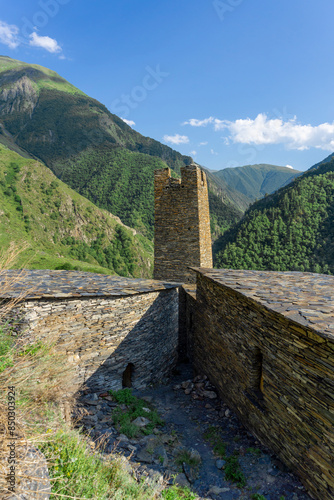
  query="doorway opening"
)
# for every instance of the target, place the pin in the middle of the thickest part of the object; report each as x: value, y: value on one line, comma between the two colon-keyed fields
x: 127, y: 376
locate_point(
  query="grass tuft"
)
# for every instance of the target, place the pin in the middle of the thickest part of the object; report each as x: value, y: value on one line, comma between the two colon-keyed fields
x: 177, y: 493
x: 233, y: 471
x: 135, y: 407
x: 213, y: 436
x: 185, y: 456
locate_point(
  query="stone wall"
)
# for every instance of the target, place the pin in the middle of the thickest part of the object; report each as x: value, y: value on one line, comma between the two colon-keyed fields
x: 104, y: 324
x: 266, y: 341
x: 182, y: 224
x: 101, y: 336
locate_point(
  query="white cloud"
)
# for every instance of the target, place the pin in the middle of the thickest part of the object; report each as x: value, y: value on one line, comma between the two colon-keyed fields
x: 288, y: 166
x: 45, y: 42
x: 213, y: 152
x: 9, y: 35
x: 263, y: 130
x: 193, y: 122
x: 203, y: 143
x: 129, y: 122
x: 193, y: 153
x: 176, y: 139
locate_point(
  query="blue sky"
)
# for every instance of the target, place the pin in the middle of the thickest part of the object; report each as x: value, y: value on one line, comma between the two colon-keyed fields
x: 231, y: 82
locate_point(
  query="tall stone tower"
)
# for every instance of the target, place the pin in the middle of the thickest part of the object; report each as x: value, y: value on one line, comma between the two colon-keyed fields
x: 182, y: 224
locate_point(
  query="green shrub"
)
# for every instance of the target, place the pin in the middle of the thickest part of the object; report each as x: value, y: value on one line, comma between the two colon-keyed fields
x: 178, y: 493
x: 233, y: 471
x: 134, y: 408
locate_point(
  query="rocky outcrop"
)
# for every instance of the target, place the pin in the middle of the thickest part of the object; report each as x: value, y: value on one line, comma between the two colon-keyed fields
x: 21, y: 96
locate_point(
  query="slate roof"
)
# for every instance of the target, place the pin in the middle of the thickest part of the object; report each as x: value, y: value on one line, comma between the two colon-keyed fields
x: 38, y: 284
x: 306, y: 298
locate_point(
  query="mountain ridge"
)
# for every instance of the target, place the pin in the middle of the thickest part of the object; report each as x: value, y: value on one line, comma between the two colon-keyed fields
x: 45, y: 117
x: 289, y: 230
x: 256, y: 181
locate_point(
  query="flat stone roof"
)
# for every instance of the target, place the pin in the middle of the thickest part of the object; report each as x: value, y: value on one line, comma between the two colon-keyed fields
x: 306, y: 298
x: 39, y: 284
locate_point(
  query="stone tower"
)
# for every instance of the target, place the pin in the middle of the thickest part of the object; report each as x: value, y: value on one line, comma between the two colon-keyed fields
x: 182, y: 224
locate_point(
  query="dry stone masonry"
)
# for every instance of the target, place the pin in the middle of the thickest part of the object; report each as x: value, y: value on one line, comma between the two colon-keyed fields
x: 115, y: 331
x: 266, y: 341
x: 182, y: 224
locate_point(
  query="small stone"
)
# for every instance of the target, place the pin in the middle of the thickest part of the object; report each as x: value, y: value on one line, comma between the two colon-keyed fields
x: 195, y: 455
x: 220, y: 464
x: 161, y: 455
x: 186, y: 384
x: 144, y: 456
x: 123, y: 437
x: 154, y: 477
x: 215, y: 490
x: 209, y: 394
x: 141, y: 422
x: 177, y: 387
x: 190, y: 472
x: 105, y: 419
x: 181, y: 480
x: 227, y: 413
x: 148, y: 399
x: 188, y: 391
x: 92, y: 402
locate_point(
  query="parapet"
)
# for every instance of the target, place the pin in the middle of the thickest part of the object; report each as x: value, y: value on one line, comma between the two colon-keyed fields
x: 192, y: 176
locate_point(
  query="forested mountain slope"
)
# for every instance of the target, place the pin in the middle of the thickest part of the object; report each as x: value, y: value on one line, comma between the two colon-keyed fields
x: 62, y: 229
x: 255, y: 181
x: 293, y: 229
x: 86, y: 146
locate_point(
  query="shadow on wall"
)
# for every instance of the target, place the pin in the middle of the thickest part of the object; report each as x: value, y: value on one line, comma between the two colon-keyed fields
x: 145, y: 354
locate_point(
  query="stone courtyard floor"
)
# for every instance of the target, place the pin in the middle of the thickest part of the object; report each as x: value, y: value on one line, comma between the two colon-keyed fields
x: 189, y: 409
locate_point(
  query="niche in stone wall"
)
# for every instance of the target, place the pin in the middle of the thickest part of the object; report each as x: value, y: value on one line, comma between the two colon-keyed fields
x: 255, y: 381
x: 128, y: 376
x: 256, y: 375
